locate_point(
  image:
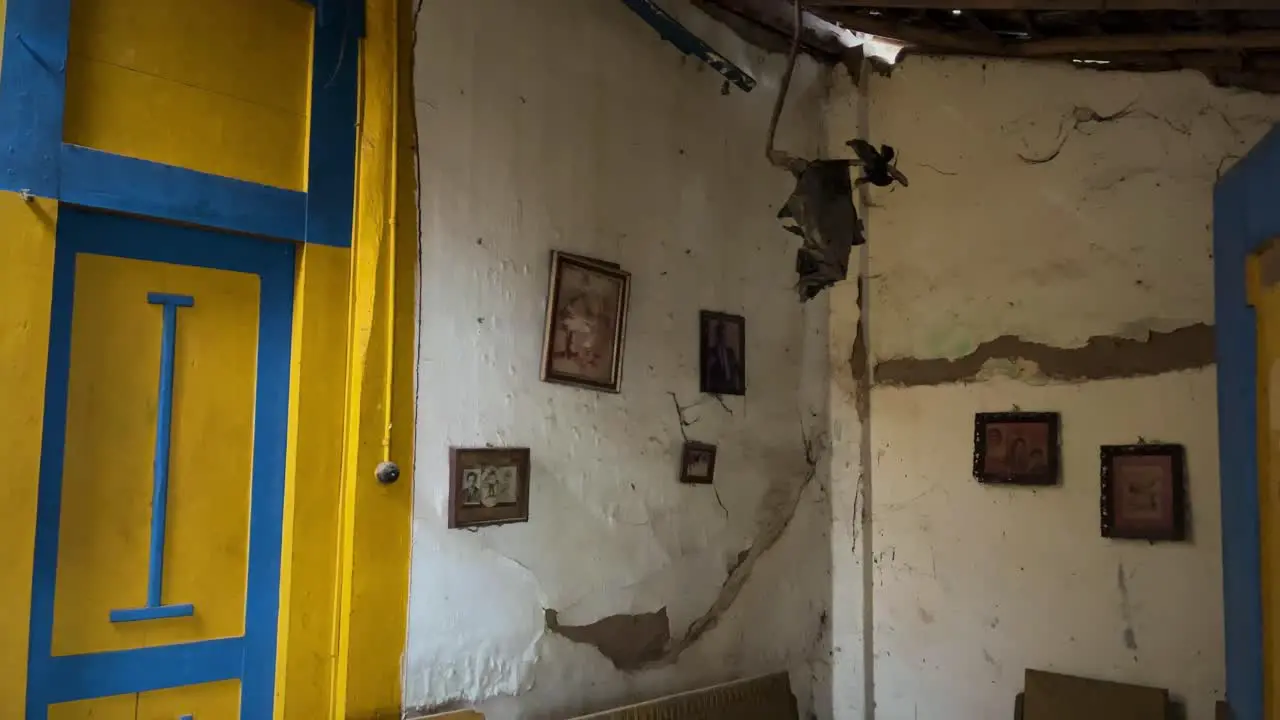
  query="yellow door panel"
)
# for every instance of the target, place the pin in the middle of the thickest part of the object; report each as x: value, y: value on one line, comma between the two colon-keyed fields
x: 153, y: 118
x: 185, y: 83
x: 1264, y: 295
x: 116, y: 707
x: 212, y: 701
x: 246, y: 49
x: 113, y: 391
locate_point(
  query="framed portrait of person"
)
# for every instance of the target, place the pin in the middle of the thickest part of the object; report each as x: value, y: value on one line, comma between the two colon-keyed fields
x: 722, y: 340
x: 586, y: 322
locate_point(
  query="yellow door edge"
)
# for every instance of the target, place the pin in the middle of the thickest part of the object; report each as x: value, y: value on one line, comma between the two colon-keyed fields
x: 376, y: 517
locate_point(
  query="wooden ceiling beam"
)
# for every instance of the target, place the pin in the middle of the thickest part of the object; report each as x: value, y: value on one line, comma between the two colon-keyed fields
x: 1102, y: 45
x: 959, y: 42
x: 1193, y: 5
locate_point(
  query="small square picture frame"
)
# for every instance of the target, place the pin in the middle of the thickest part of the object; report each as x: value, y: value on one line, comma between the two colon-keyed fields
x: 488, y: 486
x: 698, y: 464
x: 1144, y: 493
x: 1016, y: 448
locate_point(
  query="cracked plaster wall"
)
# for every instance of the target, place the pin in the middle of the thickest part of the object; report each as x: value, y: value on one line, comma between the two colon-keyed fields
x: 1065, y: 262
x: 569, y: 124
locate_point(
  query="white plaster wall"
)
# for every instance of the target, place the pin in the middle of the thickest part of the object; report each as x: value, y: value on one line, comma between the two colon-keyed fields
x: 569, y: 124
x: 970, y: 585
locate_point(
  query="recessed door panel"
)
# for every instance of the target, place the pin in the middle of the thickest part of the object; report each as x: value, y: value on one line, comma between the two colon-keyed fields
x: 107, y: 529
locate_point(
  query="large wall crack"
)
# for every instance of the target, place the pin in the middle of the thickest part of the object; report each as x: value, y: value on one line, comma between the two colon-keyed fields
x: 636, y: 642
x: 1103, y: 357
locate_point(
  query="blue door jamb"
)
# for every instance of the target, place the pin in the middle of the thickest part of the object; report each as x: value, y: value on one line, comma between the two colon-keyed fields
x: 1245, y: 216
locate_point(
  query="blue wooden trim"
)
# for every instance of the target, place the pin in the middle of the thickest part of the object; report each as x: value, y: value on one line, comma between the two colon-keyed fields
x: 32, y: 89
x: 164, y: 428
x: 686, y: 42
x: 331, y: 174
x: 152, y: 612
x: 1245, y: 217
x: 187, y: 717
x: 266, y: 523
x: 81, y: 677
x: 155, y: 609
x: 251, y: 658
x: 42, y: 683
x: 157, y: 298
x: 99, y: 179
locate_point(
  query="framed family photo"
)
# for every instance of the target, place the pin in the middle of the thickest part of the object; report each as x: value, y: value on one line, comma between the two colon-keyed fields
x: 488, y: 486
x: 586, y: 322
x: 1016, y: 448
x: 722, y: 353
x: 1144, y: 492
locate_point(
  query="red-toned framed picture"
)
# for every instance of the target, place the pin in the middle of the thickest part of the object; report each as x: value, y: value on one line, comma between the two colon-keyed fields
x: 1016, y: 448
x: 1144, y: 492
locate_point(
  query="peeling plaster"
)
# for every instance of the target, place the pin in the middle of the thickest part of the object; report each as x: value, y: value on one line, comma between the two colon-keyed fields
x: 629, y: 641
x: 1102, y: 358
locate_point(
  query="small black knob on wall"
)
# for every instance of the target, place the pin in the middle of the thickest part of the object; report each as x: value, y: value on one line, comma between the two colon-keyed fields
x: 387, y: 472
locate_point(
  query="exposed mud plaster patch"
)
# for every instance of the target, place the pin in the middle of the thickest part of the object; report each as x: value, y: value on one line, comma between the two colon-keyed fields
x: 629, y: 641
x: 858, y: 361
x: 1102, y: 357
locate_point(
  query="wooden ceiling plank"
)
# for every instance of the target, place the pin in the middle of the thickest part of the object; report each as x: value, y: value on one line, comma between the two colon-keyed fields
x: 1192, y: 5
x: 924, y: 37
x: 1094, y: 46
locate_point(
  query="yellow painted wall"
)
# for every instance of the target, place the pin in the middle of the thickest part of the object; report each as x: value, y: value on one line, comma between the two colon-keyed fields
x: 26, y: 280
x: 1265, y: 299
x: 104, y: 537
x: 380, y: 400
x: 221, y: 87
x: 308, y: 627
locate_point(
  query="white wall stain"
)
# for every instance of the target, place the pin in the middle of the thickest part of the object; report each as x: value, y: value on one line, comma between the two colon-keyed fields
x: 570, y: 125
x: 1113, y: 236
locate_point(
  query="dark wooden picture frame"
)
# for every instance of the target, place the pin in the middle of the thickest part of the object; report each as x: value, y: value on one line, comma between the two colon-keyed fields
x: 698, y: 464
x: 1144, y: 493
x: 1016, y: 448
x: 722, y: 359
x: 488, y: 486
x: 586, y: 325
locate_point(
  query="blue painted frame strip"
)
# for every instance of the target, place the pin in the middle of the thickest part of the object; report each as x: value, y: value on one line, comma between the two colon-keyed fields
x: 99, y: 179
x: 686, y: 42
x: 1245, y: 216
x: 155, y: 609
x: 143, y: 670
x: 331, y: 174
x: 252, y: 657
x: 32, y: 88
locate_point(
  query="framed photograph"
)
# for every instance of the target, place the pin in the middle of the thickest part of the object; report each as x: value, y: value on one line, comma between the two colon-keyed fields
x: 723, y: 353
x: 586, y: 322
x: 488, y: 486
x: 1016, y: 448
x: 698, y: 464
x: 1144, y: 492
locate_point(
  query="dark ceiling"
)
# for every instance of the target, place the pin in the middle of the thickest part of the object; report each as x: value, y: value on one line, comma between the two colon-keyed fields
x: 1233, y: 42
